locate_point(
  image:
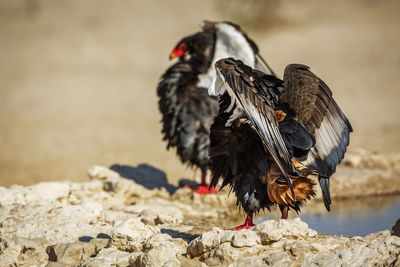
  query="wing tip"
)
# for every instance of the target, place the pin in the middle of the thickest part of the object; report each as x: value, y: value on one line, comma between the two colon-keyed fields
x: 206, y: 24
x: 229, y: 61
x: 348, y: 124
x: 296, y: 66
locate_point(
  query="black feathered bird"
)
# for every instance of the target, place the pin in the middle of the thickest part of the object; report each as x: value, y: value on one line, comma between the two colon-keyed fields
x: 187, y: 109
x: 270, y: 135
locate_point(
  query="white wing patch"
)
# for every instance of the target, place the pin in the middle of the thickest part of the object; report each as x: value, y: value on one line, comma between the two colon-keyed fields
x: 232, y: 43
x: 206, y: 80
x: 217, y: 85
x: 328, y: 137
x: 229, y: 43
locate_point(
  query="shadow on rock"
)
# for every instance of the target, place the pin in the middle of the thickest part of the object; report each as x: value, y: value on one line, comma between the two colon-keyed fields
x: 176, y: 234
x: 186, y: 182
x: 146, y: 175
x: 88, y: 238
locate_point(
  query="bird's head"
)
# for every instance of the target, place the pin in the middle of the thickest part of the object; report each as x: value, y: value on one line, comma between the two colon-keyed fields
x: 180, y: 49
x: 197, y: 45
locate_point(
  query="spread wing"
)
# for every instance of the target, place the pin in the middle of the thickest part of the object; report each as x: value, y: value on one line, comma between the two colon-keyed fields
x: 312, y: 100
x: 256, y: 97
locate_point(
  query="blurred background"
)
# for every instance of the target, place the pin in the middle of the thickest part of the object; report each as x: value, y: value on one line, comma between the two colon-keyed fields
x: 78, y: 78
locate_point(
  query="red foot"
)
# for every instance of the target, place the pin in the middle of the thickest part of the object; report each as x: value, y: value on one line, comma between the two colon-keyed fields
x: 247, y: 224
x: 202, y: 189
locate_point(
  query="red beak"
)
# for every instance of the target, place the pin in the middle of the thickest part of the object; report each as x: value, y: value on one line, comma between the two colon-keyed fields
x: 172, y: 55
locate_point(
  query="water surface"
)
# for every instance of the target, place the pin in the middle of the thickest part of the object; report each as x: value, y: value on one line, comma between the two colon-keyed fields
x: 358, y: 217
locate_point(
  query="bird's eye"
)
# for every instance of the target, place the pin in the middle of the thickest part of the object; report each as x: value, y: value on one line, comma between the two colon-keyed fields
x: 183, y: 47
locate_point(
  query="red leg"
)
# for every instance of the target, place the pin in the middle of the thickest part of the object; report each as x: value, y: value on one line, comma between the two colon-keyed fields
x: 284, y: 211
x: 203, y: 179
x: 248, y: 223
x: 203, y: 188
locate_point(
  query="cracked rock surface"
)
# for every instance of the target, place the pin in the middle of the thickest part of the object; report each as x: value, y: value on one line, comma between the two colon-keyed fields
x: 113, y: 221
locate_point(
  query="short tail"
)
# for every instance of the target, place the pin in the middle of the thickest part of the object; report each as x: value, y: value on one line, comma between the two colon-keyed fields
x: 326, y: 195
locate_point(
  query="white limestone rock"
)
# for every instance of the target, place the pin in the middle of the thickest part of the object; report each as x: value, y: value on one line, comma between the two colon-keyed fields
x: 17, y: 252
x: 109, y: 257
x: 9, y: 252
x: 111, y: 216
x: 245, y: 238
x: 226, y: 253
x: 159, y: 253
x: 45, y: 191
x: 172, y: 263
x: 224, y: 245
x: 134, y: 229
x: 159, y: 250
x: 159, y: 239
x: 161, y: 205
x: 383, y: 252
x: 168, y: 215
x: 274, y: 230
x: 59, y: 223
x: 102, y: 173
x: 132, y: 234
x: 71, y: 253
x: 205, y: 242
x: 277, y: 259
x: 113, y: 182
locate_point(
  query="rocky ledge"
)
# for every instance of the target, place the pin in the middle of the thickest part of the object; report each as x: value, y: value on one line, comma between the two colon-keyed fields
x: 113, y: 221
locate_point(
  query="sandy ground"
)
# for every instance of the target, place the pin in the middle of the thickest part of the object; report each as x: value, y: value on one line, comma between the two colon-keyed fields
x: 78, y: 78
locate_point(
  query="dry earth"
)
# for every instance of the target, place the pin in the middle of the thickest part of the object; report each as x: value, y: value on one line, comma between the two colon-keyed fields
x: 78, y: 78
